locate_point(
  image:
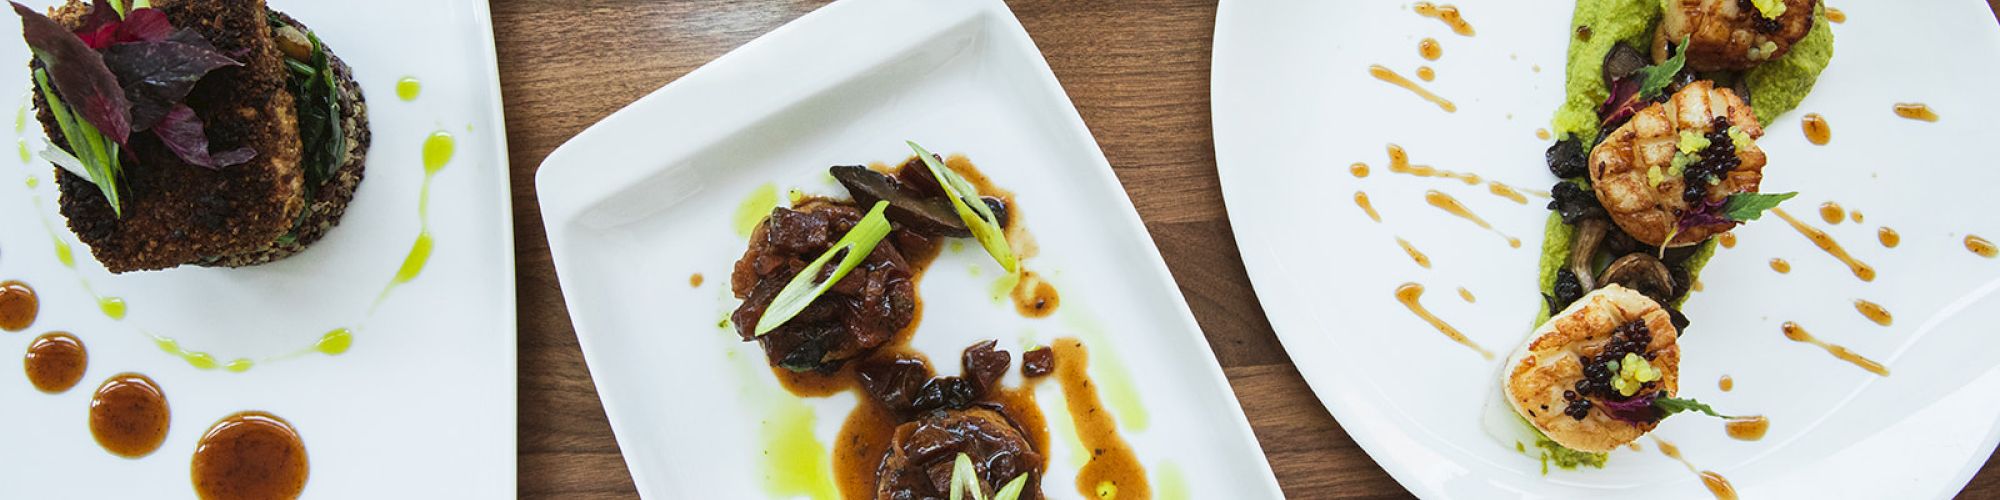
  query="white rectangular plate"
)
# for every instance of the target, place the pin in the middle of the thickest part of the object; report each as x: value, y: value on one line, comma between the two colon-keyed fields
x: 422, y: 405
x: 1295, y: 105
x: 641, y: 201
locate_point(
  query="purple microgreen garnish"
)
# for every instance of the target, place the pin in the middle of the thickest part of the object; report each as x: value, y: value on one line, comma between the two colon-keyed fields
x: 182, y: 132
x: 157, y: 75
x: 79, y: 73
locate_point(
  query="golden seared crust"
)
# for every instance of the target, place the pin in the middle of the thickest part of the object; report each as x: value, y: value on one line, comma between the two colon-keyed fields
x: 175, y: 213
x: 328, y: 202
x: 1619, y: 166
x: 1725, y: 35
x: 1549, y: 364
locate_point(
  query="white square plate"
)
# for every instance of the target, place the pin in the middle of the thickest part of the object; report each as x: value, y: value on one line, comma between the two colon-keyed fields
x: 421, y: 405
x: 1295, y: 105
x: 642, y: 200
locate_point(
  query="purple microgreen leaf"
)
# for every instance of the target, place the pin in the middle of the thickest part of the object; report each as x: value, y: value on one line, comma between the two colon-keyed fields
x: 158, y: 75
x: 79, y: 73
x: 1636, y: 409
x: 181, y: 130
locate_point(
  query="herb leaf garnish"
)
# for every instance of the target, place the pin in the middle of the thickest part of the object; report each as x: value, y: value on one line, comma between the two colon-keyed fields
x: 1671, y: 406
x: 79, y: 74
x: 314, y: 86
x: 853, y: 248
x: 978, y: 217
x: 1745, y: 207
x: 1655, y: 78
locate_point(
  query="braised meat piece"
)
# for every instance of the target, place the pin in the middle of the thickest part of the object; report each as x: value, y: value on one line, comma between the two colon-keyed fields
x: 861, y: 312
x: 919, y: 463
x: 906, y: 385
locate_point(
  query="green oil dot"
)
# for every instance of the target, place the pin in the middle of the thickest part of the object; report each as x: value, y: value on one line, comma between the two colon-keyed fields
x: 335, y: 342
x: 63, y: 254
x: 420, y: 254
x: 438, y: 150
x: 753, y: 209
x: 200, y: 360
x: 113, y: 307
x: 240, y: 365
x: 26, y: 157
x: 409, y: 88
x: 34, y: 181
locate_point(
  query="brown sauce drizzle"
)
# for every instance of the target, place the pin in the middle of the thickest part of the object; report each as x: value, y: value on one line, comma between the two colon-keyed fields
x: 1416, y: 255
x: 1916, y: 111
x: 250, y: 455
x: 1542, y: 133
x: 1888, y: 236
x: 1875, y: 312
x: 1451, y: 205
x: 1506, y: 191
x: 1716, y: 484
x: 129, y: 415
x: 1728, y: 240
x: 1835, y: 15
x: 1399, y: 162
x: 1832, y: 213
x: 1112, y: 465
x: 1781, y: 265
x: 1980, y: 246
x: 694, y: 281
x: 1816, y: 129
x: 1726, y: 384
x: 1360, y: 170
x: 1425, y: 73
x: 1034, y: 297
x: 55, y: 362
x: 1430, y: 49
x: 1750, y: 428
x: 1411, y: 293
x: 1388, y: 75
x: 1361, y: 199
x: 1467, y: 295
x: 1826, y: 242
x: 1797, y: 333
x: 1447, y: 13
x: 18, y: 306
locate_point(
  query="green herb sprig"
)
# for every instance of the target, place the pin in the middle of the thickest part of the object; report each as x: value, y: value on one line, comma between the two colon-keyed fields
x: 1746, y: 207
x: 1657, y: 77
x: 89, y: 150
x: 1673, y: 406
x: 853, y: 248
x: 977, y: 216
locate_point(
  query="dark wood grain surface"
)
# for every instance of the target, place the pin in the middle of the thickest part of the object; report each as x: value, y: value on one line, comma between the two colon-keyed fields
x: 1137, y: 70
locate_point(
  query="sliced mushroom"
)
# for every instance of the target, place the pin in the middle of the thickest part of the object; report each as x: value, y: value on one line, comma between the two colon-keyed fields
x: 1583, y: 249
x: 1642, y: 272
x: 930, y: 214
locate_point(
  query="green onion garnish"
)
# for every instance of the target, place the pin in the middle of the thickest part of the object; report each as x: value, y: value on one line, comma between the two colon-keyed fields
x: 985, y: 227
x: 97, y: 154
x: 857, y: 244
x: 966, y: 479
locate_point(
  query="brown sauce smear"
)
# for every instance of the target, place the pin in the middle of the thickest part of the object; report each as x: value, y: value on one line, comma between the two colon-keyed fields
x: 250, y: 456
x: 1415, y: 254
x: 1726, y: 384
x: 129, y: 415
x: 1981, y: 247
x: 1360, y: 170
x: 1410, y: 295
x: 1447, y: 13
x: 1832, y: 213
x: 1387, y: 75
x: 1361, y: 199
x: 1781, y: 265
x: 18, y: 306
x: 1826, y: 242
x: 694, y: 281
x: 1875, y: 312
x: 1816, y: 129
x: 1112, y: 465
x: 1728, y: 240
x: 1916, y: 111
x: 55, y: 362
x: 1750, y: 428
x: 1797, y: 333
x: 1399, y: 162
x: 1034, y: 297
x: 1451, y: 205
x: 1430, y: 49
x: 1888, y: 236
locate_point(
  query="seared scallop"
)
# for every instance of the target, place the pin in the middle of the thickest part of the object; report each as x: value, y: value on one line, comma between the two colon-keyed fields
x: 1588, y: 376
x: 1731, y: 34
x: 1666, y: 172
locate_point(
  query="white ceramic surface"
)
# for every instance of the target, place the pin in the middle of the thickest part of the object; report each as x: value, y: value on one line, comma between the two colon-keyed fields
x: 421, y: 406
x: 646, y: 198
x: 1294, y: 106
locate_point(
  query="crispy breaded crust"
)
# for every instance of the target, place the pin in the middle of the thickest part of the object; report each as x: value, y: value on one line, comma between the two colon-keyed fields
x: 1544, y: 367
x: 175, y: 213
x: 329, y: 201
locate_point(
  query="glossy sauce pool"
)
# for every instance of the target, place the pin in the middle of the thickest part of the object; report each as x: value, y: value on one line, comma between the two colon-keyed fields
x: 18, y: 306
x: 55, y: 362
x: 129, y: 415
x: 250, y: 456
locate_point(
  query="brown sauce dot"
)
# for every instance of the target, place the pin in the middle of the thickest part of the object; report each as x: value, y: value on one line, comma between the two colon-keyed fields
x: 250, y: 455
x: 1980, y: 246
x: 1748, y: 428
x: 1888, y: 236
x: 1916, y: 111
x: 129, y: 415
x: 1035, y: 297
x: 1781, y: 266
x: 1726, y: 384
x: 1360, y: 170
x: 55, y: 362
x: 1816, y: 128
x: 1832, y: 213
x: 1430, y: 49
x: 695, y: 280
x: 18, y: 306
x: 1728, y: 240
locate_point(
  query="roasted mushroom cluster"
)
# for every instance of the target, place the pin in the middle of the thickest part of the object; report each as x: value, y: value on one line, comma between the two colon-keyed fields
x: 943, y: 417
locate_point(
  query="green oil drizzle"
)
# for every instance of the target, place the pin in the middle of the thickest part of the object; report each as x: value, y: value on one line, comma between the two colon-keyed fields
x: 26, y: 157
x: 753, y: 209
x: 21, y: 119
x: 34, y: 181
x: 335, y: 342
x: 438, y: 151
x: 199, y: 360
x: 420, y: 253
x: 63, y: 253
x: 113, y: 307
x: 1109, y: 370
x: 957, y: 247
x: 1168, y: 482
x: 409, y: 88
x: 1003, y: 288
x: 796, y: 462
x: 240, y: 365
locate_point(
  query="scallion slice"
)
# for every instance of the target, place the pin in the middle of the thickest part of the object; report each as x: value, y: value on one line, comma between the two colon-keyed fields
x: 1012, y: 491
x: 802, y: 290
x: 966, y: 479
x: 965, y: 199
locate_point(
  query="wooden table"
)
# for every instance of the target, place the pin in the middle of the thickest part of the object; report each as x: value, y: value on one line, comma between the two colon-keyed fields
x: 1137, y: 70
